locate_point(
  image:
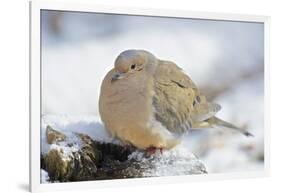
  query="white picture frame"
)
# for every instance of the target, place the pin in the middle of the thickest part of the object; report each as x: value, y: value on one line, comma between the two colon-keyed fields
x: 35, y: 88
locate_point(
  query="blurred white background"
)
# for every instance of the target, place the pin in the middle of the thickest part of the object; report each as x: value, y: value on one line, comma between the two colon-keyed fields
x: 78, y: 49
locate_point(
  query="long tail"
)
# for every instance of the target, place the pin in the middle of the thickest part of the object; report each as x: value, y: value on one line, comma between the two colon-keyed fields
x: 218, y: 123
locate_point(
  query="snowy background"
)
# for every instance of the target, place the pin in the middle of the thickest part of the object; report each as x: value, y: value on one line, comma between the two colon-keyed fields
x: 225, y: 59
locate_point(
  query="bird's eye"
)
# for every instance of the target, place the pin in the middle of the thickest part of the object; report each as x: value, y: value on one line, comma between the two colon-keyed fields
x: 133, y: 66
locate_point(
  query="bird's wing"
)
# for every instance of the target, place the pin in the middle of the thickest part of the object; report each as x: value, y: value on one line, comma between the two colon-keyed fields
x: 204, y: 111
x: 177, y: 102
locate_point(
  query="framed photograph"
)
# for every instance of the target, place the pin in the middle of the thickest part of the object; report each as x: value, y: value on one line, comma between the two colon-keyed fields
x: 122, y: 96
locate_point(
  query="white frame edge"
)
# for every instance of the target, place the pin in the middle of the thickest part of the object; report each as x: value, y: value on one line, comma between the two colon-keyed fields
x: 35, y: 90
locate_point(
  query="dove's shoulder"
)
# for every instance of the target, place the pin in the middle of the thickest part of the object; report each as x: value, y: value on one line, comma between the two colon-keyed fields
x: 168, y: 72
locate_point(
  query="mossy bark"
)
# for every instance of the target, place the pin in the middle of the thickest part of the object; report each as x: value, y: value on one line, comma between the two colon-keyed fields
x: 97, y: 161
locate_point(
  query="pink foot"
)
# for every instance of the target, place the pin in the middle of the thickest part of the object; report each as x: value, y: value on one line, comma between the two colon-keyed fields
x: 152, y: 150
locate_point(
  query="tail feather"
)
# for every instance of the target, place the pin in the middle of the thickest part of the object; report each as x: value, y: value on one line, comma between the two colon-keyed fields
x: 216, y: 122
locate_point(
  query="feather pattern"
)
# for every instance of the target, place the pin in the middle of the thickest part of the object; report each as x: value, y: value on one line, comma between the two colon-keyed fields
x: 177, y: 101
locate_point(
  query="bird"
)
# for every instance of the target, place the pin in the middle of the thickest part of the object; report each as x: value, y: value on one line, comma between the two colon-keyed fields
x: 151, y: 103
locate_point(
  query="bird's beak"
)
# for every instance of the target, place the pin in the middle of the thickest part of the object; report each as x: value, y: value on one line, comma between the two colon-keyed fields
x: 117, y: 76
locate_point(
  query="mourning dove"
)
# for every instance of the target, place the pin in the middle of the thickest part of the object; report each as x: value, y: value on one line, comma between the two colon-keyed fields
x: 150, y: 103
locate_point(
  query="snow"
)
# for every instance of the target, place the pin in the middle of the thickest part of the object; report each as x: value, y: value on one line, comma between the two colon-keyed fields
x: 76, y: 58
x: 178, y: 161
x: 44, y: 177
x: 69, y: 125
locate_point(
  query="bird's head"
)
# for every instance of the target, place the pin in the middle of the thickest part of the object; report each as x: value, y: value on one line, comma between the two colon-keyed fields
x: 130, y: 62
